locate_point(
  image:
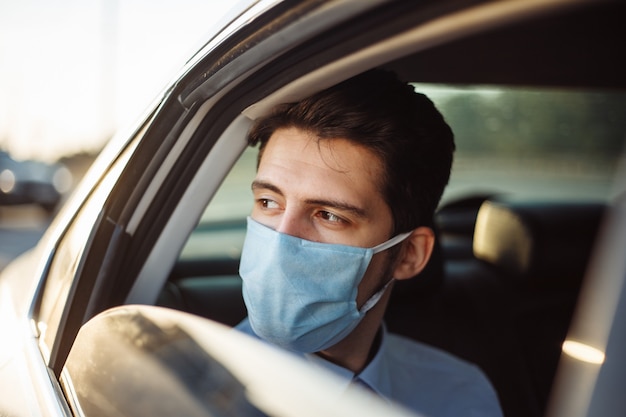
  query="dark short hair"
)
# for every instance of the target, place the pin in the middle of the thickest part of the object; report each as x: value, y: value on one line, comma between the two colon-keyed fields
x: 385, y: 115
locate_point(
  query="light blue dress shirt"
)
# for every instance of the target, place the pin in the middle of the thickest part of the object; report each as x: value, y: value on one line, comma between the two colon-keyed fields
x: 420, y: 377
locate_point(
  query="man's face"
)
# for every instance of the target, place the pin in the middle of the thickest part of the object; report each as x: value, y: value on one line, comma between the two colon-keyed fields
x: 324, y: 191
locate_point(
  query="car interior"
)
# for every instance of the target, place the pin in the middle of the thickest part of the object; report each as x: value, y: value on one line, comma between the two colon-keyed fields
x: 501, y: 287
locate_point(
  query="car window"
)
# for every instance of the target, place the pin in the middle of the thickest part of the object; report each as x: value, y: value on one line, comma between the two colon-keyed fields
x: 221, y: 229
x: 533, y: 143
x: 512, y: 143
x: 517, y: 142
x: 68, y: 255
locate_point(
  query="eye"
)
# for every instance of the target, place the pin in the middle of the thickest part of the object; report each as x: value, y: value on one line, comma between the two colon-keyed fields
x: 266, y: 203
x: 330, y: 217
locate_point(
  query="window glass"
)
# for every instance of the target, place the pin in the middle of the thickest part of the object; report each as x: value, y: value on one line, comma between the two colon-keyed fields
x: 511, y: 142
x: 221, y: 229
x: 533, y: 143
x: 68, y: 255
x: 523, y: 143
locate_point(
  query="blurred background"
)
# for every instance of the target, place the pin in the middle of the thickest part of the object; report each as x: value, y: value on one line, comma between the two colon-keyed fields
x: 73, y: 72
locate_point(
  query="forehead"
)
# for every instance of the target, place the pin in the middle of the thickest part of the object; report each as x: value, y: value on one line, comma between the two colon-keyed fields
x: 295, y: 155
x: 335, y: 154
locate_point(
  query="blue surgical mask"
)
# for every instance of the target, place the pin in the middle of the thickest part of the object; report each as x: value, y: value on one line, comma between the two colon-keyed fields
x: 301, y: 295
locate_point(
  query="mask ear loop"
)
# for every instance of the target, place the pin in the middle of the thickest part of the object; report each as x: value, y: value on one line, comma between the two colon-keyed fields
x: 391, y: 242
x: 374, y: 299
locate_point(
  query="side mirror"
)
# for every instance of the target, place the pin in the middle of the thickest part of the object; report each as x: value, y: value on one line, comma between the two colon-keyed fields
x: 144, y: 360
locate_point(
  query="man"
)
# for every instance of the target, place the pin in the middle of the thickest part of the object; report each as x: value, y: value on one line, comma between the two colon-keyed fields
x: 346, y: 188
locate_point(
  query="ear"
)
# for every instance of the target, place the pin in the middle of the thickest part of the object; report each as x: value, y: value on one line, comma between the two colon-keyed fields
x: 415, y: 253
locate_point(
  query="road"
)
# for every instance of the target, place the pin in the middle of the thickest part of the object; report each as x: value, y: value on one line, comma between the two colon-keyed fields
x: 21, y: 227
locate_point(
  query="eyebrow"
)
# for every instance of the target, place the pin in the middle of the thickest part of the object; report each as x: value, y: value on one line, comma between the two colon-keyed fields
x: 336, y: 204
x: 257, y: 184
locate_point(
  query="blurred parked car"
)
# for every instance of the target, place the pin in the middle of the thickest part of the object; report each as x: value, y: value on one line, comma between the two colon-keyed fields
x: 114, y: 312
x: 32, y: 182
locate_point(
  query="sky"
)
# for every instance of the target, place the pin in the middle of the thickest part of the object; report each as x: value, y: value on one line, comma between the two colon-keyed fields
x: 72, y: 72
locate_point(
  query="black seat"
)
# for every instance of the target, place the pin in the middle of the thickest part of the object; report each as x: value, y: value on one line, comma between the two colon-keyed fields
x: 538, y: 245
x: 540, y: 250
x: 465, y: 312
x: 505, y: 307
